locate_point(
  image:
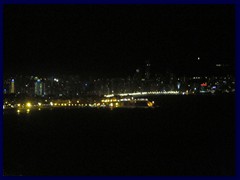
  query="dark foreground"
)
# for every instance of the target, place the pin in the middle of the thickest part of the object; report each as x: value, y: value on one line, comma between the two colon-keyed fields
x: 184, y: 136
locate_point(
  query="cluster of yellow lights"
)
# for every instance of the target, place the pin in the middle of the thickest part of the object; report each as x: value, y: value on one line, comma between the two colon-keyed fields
x: 113, y: 102
x: 95, y: 104
x: 109, y: 100
x: 64, y: 104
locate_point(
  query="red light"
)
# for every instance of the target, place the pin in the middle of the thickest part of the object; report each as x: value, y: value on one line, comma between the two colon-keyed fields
x: 204, y: 84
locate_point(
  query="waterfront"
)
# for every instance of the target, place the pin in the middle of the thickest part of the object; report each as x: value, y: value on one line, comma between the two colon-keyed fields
x: 185, y: 135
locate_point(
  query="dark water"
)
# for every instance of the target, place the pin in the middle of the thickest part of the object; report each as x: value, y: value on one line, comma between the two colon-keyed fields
x: 184, y: 136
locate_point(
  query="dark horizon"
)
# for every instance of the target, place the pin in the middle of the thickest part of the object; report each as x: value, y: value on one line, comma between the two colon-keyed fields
x: 115, y: 40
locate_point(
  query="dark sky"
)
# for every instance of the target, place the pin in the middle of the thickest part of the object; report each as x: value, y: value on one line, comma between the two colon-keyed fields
x: 114, y: 40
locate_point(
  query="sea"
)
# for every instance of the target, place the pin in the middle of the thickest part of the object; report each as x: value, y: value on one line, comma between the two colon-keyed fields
x: 182, y: 136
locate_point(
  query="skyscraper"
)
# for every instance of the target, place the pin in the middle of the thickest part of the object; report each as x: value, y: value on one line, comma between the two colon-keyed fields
x: 137, y: 75
x: 147, y: 70
x: 12, y: 87
x: 39, y: 88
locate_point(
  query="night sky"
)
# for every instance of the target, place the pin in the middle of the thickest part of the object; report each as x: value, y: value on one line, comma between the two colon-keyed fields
x: 115, y: 40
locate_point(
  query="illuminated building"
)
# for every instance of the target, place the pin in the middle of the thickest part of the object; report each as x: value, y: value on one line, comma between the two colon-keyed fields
x: 39, y: 88
x: 178, y: 85
x: 12, y: 87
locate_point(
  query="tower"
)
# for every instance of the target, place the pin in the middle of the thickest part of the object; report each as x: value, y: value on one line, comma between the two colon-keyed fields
x: 39, y: 88
x: 137, y: 75
x: 12, y: 86
x: 147, y: 70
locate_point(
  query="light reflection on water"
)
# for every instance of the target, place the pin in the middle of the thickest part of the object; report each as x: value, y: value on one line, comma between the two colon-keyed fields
x: 23, y: 111
x: 28, y: 111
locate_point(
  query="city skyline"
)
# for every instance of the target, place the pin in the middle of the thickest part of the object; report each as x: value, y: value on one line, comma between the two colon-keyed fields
x: 119, y: 90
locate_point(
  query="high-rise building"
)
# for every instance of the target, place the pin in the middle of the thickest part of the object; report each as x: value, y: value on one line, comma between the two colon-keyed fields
x: 12, y: 86
x: 137, y: 75
x: 39, y: 88
x: 147, y: 70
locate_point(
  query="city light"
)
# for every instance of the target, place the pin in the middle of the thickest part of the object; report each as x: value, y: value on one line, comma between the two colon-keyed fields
x: 55, y: 79
x: 204, y: 84
x: 150, y: 104
x: 128, y: 91
x: 109, y: 95
x: 29, y: 105
x: 144, y: 93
